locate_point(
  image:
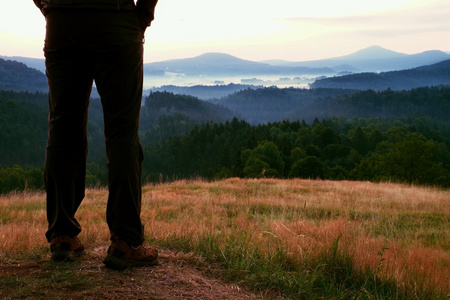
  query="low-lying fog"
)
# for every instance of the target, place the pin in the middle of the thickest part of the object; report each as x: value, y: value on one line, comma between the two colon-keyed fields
x: 181, y: 80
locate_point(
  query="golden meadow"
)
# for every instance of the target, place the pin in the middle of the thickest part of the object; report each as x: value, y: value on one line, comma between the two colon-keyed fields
x: 302, y: 238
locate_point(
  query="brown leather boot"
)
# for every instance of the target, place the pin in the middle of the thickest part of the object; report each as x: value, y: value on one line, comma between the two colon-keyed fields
x: 122, y: 256
x: 64, y: 247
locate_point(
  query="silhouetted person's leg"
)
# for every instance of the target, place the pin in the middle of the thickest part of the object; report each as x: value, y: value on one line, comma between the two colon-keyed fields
x: 70, y: 82
x: 118, y: 77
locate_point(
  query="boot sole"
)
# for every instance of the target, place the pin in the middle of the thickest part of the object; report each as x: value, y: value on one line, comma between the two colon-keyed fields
x: 113, y: 262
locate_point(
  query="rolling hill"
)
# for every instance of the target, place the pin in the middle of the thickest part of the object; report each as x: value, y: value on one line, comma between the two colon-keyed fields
x: 16, y: 76
x: 159, y: 104
x: 432, y: 75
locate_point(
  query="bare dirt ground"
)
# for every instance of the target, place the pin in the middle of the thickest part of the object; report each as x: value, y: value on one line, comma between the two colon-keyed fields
x: 177, y: 276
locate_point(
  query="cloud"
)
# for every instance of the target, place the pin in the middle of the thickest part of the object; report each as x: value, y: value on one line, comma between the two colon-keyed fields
x: 395, y: 23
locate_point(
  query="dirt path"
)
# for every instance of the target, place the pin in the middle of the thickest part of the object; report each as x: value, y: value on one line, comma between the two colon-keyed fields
x: 177, y: 276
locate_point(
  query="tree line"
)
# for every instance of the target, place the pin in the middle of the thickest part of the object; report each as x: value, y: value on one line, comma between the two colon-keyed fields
x: 411, y: 149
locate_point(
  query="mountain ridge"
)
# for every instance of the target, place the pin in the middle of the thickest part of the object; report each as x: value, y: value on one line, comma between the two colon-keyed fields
x: 215, y: 63
x: 429, y: 75
x: 376, y: 59
x: 362, y: 60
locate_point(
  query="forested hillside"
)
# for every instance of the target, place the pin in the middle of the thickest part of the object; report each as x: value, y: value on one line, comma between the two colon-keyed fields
x: 399, y: 136
x: 23, y: 128
x: 274, y: 105
x: 432, y: 75
x: 159, y: 104
x: 18, y: 77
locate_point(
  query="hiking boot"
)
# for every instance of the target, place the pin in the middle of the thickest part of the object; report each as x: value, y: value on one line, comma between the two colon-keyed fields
x: 122, y: 256
x: 63, y: 247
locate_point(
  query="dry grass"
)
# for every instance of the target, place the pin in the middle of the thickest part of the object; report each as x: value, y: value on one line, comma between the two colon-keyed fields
x: 394, y: 233
x: 388, y: 228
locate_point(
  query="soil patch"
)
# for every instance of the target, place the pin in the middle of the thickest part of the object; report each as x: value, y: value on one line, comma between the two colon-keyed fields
x: 177, y: 276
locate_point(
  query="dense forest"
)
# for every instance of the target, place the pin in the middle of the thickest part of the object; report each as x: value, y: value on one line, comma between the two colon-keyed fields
x: 401, y: 136
x: 413, y: 150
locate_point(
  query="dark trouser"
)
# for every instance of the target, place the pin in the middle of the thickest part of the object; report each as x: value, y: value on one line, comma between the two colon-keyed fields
x: 106, y: 47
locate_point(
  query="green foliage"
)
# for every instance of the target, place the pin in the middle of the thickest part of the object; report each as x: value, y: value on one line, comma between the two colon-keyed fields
x: 15, y: 178
x: 23, y: 132
x: 23, y: 138
x: 404, y: 150
x: 308, y: 167
x: 412, y: 160
x: 330, y: 274
x: 264, y: 161
x: 177, y: 145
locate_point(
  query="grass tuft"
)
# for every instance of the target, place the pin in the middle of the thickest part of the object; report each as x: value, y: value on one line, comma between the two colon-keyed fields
x: 304, y: 239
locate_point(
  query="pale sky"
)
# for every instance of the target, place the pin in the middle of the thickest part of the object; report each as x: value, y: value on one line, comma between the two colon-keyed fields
x: 294, y: 30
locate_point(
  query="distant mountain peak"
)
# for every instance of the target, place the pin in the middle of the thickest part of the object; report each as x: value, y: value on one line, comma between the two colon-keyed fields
x: 215, y: 55
x: 219, y: 57
x: 374, y: 52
